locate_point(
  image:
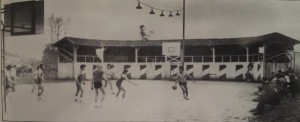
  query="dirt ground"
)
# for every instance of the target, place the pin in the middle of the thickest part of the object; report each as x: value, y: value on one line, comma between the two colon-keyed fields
x: 149, y: 101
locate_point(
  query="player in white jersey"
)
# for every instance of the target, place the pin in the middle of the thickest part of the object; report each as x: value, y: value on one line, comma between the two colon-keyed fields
x: 9, y: 82
x: 80, y: 79
x: 108, y: 76
x: 38, y: 80
x: 181, y: 79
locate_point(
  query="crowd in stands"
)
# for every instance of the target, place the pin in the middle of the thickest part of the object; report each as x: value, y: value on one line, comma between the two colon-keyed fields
x: 280, y: 85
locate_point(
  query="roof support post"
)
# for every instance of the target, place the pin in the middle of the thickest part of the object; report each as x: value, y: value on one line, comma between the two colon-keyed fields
x: 213, y: 53
x: 247, y: 53
x: 137, y: 49
x: 75, y: 48
x: 264, y: 59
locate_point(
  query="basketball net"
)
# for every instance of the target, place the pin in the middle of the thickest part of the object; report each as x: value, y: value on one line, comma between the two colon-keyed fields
x: 100, y: 53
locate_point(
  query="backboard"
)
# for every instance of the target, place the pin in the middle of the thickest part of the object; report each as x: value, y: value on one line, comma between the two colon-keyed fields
x: 171, y: 48
x: 24, y: 18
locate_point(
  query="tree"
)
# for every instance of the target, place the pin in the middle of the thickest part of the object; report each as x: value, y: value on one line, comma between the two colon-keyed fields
x: 57, y: 26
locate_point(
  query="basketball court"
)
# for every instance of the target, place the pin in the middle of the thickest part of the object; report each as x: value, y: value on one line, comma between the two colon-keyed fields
x: 151, y: 100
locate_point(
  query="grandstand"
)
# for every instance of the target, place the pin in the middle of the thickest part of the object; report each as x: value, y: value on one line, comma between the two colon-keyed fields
x: 221, y: 59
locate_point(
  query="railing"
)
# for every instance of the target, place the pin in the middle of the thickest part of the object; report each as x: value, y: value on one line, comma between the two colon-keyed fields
x: 208, y: 58
x: 224, y: 58
x: 151, y: 59
x: 198, y: 59
x: 87, y: 58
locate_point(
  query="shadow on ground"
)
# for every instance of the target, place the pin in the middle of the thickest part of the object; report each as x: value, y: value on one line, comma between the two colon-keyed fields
x: 287, y: 111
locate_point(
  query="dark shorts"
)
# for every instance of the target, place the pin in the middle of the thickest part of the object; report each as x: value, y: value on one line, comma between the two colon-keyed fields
x: 119, y: 82
x: 183, y: 84
x: 78, y: 85
x: 37, y: 81
x: 109, y: 78
x: 97, y: 85
x: 8, y: 87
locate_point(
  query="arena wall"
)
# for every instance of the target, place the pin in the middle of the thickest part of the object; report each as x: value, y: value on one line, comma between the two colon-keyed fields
x: 65, y: 70
x: 167, y: 70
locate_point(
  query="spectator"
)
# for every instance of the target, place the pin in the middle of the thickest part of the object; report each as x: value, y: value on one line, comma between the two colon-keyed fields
x: 279, y: 84
x: 13, y: 74
x: 292, y: 85
x: 272, y: 76
x: 263, y: 85
x: 269, y: 96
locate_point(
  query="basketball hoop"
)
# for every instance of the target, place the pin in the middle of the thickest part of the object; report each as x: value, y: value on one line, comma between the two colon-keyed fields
x: 171, y: 48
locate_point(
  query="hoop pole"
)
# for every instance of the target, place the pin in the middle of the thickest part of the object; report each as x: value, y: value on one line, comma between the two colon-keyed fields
x: 3, y: 80
x: 183, y: 35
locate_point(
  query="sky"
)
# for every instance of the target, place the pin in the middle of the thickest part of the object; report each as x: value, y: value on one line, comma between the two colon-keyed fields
x: 120, y: 20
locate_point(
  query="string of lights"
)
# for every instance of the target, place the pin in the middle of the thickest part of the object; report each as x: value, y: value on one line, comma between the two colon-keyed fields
x: 155, y: 8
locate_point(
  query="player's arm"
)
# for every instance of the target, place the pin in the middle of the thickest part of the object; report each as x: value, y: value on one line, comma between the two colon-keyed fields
x: 9, y: 77
x: 176, y: 79
x: 76, y: 78
x: 129, y: 81
x: 92, y: 82
x: 84, y: 76
x: 41, y: 77
x: 190, y: 77
x: 105, y: 77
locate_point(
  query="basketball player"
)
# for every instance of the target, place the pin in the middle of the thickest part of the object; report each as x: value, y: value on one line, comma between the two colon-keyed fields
x: 119, y: 83
x: 80, y: 79
x: 39, y: 79
x: 97, y: 84
x: 108, y: 77
x: 13, y: 77
x: 34, y: 77
x: 181, y: 78
x: 9, y: 82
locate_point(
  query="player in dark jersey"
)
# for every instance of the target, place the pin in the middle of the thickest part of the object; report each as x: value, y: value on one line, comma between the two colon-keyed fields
x: 9, y: 82
x: 119, y: 83
x: 80, y: 79
x: 97, y: 84
x: 39, y: 79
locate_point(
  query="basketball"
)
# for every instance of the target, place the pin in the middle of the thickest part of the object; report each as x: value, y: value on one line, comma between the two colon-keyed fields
x: 174, y: 87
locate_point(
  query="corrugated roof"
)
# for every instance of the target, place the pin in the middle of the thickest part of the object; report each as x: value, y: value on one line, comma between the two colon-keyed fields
x: 269, y: 38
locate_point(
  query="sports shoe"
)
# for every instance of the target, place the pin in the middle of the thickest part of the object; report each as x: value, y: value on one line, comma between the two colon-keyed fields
x: 95, y: 105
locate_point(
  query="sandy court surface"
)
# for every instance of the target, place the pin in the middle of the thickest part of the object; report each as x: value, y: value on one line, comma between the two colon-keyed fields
x: 149, y: 101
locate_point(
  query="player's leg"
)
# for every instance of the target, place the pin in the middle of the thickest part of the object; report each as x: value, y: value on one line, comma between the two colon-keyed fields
x: 77, y: 91
x: 186, y: 91
x: 111, y: 85
x: 119, y: 90
x: 81, y: 93
x: 40, y: 91
x: 105, y: 81
x: 33, y: 87
x: 96, y: 97
x: 8, y: 94
x: 97, y: 94
x: 103, y: 95
x: 13, y: 87
x: 183, y: 90
x: 124, y: 91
